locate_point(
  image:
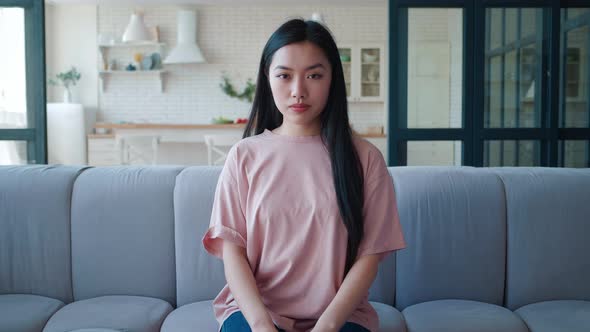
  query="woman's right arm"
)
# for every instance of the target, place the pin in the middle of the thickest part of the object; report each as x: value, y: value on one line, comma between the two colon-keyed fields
x: 243, y: 287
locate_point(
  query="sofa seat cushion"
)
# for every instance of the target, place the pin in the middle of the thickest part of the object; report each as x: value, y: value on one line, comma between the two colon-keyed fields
x: 200, y: 314
x: 554, y: 316
x: 97, y: 330
x: 461, y: 316
x: 390, y: 319
x: 192, y: 317
x: 132, y: 313
x: 26, y: 312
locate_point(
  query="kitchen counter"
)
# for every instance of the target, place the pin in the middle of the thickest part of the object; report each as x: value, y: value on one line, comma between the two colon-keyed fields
x: 104, y: 147
x: 167, y: 126
x: 183, y: 127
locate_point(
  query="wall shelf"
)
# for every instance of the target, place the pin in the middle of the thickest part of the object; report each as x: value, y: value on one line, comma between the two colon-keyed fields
x: 104, y: 74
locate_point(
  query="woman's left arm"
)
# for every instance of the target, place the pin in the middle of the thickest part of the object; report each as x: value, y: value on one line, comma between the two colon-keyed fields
x: 354, y: 287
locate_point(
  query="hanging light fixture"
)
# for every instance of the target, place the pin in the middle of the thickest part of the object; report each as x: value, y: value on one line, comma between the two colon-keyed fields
x: 136, y: 30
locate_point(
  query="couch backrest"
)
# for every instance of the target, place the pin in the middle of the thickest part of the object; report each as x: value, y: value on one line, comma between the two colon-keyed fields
x: 548, y: 211
x: 35, y: 230
x: 453, y: 219
x: 123, y: 232
x: 200, y: 276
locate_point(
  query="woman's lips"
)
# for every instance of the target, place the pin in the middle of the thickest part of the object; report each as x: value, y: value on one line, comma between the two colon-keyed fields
x: 300, y: 109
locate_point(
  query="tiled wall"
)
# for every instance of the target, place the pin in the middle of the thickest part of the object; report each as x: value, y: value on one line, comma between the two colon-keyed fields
x: 231, y: 39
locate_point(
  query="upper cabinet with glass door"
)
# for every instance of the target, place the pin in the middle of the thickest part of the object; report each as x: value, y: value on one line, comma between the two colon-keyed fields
x: 363, y: 68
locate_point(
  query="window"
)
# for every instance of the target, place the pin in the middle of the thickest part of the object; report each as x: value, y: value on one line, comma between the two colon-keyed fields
x: 489, y: 83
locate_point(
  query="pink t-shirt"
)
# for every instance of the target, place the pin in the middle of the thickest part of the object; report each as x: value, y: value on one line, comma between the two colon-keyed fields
x: 276, y: 198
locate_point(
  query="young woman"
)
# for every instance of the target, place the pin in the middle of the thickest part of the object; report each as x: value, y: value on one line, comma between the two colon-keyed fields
x: 304, y: 210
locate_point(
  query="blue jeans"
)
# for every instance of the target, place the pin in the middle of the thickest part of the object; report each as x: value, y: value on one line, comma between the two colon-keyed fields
x: 236, y: 322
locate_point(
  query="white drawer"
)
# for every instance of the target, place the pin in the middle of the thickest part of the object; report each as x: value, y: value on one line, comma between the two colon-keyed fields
x: 102, y: 158
x: 101, y: 144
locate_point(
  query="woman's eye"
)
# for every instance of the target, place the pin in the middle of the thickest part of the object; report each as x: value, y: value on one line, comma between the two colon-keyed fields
x: 282, y: 76
x: 315, y: 76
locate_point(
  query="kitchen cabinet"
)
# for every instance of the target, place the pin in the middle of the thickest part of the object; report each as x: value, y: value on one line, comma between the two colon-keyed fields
x: 364, y: 71
x: 124, y: 55
x: 102, y: 150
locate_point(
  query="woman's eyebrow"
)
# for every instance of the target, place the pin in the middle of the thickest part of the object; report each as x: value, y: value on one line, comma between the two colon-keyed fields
x: 317, y: 65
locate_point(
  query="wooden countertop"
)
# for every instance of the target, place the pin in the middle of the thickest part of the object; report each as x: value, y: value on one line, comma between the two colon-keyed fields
x: 183, y: 126
x: 167, y: 126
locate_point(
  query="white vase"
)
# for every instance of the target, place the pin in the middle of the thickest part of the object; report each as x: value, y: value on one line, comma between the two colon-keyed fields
x: 67, y: 96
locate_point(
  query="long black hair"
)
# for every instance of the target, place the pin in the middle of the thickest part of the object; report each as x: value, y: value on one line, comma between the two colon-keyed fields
x: 335, y: 127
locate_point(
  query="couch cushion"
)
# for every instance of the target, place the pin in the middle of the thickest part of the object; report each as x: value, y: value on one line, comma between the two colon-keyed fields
x: 187, y: 317
x: 557, y: 316
x: 453, y: 219
x: 390, y: 319
x: 200, y: 276
x: 35, y: 242
x: 99, y: 330
x: 123, y: 232
x: 129, y: 313
x: 548, y: 230
x: 26, y: 313
x: 461, y: 316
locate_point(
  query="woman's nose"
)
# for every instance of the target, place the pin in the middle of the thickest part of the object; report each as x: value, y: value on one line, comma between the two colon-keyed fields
x: 299, y: 90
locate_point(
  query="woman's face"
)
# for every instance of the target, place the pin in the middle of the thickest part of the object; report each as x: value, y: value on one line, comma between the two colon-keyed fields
x: 300, y: 76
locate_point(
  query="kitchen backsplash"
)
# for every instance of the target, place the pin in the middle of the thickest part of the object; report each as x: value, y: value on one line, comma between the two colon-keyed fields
x: 231, y: 39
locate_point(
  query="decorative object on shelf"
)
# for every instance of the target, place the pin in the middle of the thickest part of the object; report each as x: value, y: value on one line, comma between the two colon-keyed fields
x: 367, y: 57
x: 372, y: 75
x: 246, y: 94
x: 156, y: 61
x: 155, y: 32
x: 130, y: 67
x: 136, y: 30
x: 137, y: 57
x: 146, y: 63
x: 186, y: 50
x: 66, y: 79
x: 113, y: 65
x: 344, y: 58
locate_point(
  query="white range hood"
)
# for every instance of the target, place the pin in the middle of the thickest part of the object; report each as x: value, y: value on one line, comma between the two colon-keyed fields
x: 186, y: 50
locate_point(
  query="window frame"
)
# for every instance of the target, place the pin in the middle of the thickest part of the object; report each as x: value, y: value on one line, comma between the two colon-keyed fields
x: 36, y: 134
x: 473, y: 134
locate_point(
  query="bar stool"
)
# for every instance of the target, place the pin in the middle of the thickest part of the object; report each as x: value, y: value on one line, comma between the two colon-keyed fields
x: 219, y: 145
x: 138, y: 149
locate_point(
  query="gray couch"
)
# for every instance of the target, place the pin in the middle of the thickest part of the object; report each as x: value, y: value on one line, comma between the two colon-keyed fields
x: 119, y: 248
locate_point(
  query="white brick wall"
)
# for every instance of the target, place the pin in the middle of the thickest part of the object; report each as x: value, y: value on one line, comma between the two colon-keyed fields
x: 231, y: 39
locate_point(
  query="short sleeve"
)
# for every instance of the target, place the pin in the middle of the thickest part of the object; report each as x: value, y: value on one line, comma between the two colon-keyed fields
x: 228, y: 220
x: 382, y: 229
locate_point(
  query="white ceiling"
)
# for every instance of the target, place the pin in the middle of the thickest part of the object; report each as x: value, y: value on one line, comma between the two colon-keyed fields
x: 217, y: 2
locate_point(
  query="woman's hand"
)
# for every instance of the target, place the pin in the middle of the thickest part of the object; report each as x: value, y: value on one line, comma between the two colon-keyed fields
x: 319, y: 329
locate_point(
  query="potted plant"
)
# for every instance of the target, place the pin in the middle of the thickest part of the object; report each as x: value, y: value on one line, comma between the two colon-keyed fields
x: 66, y: 79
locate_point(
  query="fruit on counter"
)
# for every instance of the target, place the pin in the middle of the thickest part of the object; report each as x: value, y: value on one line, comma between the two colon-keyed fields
x: 223, y: 120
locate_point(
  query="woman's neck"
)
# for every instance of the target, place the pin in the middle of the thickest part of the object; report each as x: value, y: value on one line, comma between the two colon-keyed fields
x: 297, y: 130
